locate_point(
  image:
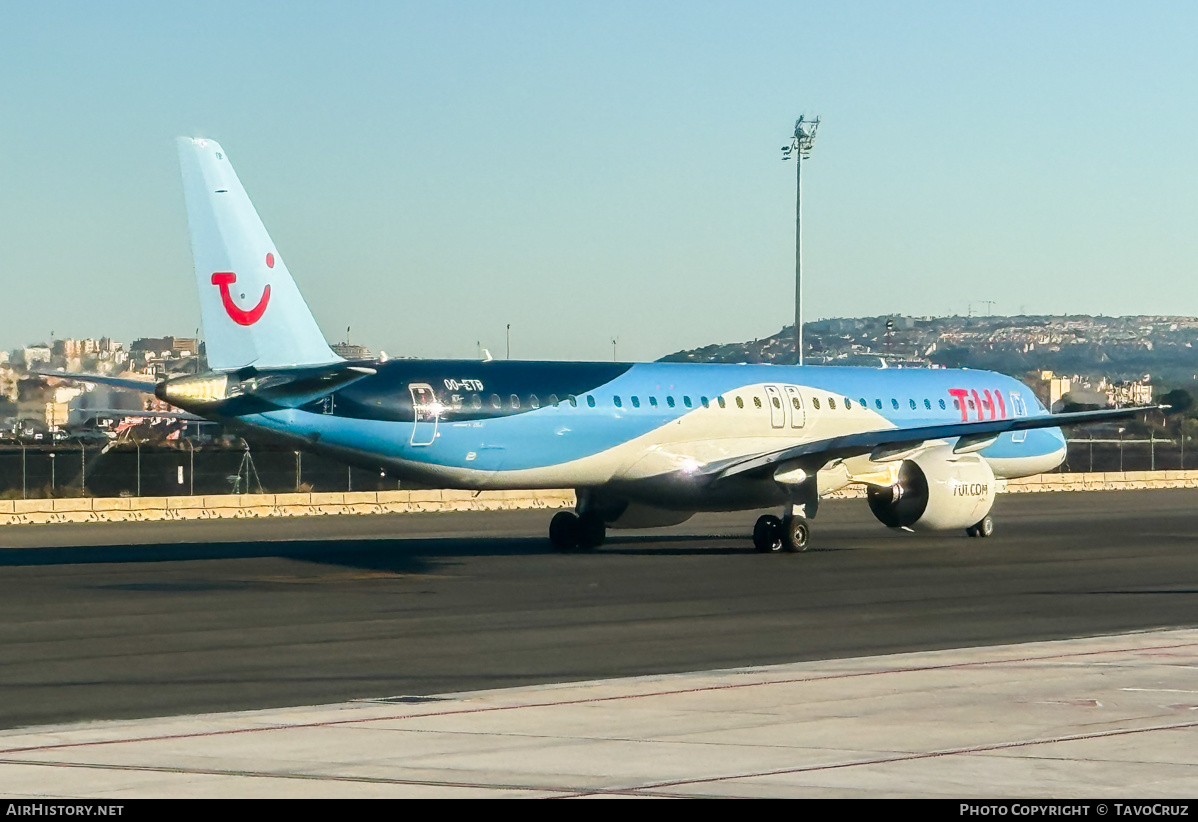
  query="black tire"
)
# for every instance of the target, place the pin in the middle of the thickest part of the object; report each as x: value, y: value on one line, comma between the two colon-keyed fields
x: 564, y: 531
x: 591, y: 532
x: 971, y: 531
x: 985, y: 528
x: 796, y: 534
x: 767, y: 534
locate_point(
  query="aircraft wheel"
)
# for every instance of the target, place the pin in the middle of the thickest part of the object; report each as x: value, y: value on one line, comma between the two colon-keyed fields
x: 985, y: 528
x: 796, y: 534
x: 564, y: 531
x: 592, y: 531
x: 767, y: 534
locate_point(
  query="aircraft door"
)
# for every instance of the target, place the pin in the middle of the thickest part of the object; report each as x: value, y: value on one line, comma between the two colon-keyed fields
x: 777, y: 412
x: 1020, y: 409
x: 426, y: 410
x: 798, y: 417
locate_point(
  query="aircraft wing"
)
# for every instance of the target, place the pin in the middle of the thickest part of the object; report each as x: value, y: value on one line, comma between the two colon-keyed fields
x: 145, y: 386
x: 900, y: 440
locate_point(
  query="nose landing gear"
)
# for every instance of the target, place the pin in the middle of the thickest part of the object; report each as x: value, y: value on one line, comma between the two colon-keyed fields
x: 984, y: 528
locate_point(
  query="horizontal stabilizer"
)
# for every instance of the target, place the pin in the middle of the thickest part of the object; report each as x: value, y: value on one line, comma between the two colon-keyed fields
x: 288, y: 391
x: 158, y: 415
x: 144, y: 386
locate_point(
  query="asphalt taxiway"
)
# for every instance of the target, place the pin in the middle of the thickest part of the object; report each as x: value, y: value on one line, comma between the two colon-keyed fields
x: 120, y: 621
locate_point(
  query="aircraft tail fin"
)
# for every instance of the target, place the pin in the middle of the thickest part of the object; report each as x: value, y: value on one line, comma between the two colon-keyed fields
x: 252, y: 310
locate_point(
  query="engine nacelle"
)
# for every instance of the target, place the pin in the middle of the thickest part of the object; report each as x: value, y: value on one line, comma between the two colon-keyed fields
x: 936, y: 491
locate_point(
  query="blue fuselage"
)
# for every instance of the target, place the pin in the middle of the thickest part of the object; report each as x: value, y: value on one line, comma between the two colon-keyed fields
x: 648, y: 431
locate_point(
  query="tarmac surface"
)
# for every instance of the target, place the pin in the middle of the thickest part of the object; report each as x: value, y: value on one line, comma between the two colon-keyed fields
x: 1103, y: 718
x: 120, y: 621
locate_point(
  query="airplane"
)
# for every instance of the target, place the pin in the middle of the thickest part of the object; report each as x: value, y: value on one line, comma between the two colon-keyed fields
x: 642, y: 444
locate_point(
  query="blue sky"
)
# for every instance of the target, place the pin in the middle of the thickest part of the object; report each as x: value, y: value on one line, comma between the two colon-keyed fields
x: 434, y: 171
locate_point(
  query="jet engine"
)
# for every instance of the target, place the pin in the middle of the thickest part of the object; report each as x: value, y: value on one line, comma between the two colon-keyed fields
x: 936, y: 491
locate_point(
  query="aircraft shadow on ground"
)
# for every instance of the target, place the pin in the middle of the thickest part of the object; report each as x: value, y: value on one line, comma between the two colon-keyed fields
x: 402, y: 555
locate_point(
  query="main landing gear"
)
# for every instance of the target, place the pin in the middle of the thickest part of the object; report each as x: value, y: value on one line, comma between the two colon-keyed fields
x: 573, y: 532
x: 773, y: 535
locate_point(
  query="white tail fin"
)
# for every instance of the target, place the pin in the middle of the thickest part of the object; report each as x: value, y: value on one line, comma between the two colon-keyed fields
x: 252, y: 311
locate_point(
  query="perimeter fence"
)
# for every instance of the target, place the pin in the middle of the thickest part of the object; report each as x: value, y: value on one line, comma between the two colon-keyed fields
x: 73, y: 469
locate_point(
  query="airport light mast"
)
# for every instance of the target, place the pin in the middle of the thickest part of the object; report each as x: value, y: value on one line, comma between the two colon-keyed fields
x: 800, y: 149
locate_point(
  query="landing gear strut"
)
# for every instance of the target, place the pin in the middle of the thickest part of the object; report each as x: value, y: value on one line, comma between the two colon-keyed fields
x: 573, y: 532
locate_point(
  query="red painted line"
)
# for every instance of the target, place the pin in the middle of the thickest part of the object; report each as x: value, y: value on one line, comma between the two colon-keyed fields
x: 999, y: 746
x: 598, y: 699
x: 383, y: 780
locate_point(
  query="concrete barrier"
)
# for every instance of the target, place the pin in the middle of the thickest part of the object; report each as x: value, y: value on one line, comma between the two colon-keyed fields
x: 238, y: 506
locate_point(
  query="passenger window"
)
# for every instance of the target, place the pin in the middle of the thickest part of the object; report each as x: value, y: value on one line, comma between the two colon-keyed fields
x: 971, y: 405
x: 617, y: 402
x: 815, y: 403
x: 957, y: 405
x: 686, y: 401
x: 590, y: 401
x: 864, y: 404
x: 831, y: 403
x: 795, y: 402
x: 670, y: 401
x: 777, y: 402
x: 573, y: 400
x: 894, y: 403
x: 757, y: 401
x: 879, y: 404
x: 942, y: 408
x: 636, y: 401
x: 653, y: 401
x: 912, y: 402
x: 476, y: 402
x: 927, y: 404
x: 740, y: 403
x: 534, y: 402
x: 515, y: 402
x: 553, y: 400
x: 848, y: 404
x: 720, y: 400
x: 495, y: 402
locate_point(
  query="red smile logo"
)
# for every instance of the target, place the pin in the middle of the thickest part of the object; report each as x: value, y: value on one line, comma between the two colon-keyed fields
x: 222, y: 279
